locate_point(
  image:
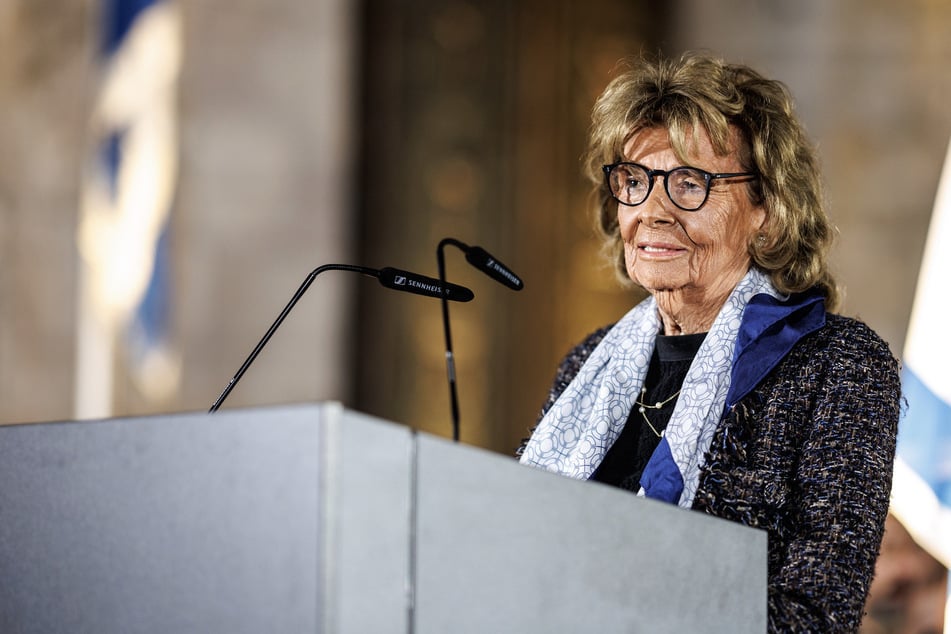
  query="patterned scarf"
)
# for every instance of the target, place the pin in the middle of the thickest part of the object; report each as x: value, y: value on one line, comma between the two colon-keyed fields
x: 579, y: 428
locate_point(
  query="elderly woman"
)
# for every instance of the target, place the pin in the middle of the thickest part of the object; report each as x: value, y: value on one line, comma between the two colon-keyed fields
x: 733, y: 388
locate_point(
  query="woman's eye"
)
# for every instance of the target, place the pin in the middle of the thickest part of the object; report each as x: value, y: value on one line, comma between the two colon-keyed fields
x: 688, y: 181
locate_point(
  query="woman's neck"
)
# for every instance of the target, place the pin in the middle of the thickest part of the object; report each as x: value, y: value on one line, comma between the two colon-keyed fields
x: 683, y: 314
x: 688, y: 309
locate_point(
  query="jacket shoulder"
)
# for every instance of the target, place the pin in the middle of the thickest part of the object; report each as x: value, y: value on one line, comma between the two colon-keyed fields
x: 854, y: 338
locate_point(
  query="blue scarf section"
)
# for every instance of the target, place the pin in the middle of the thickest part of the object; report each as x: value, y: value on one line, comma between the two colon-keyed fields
x: 755, y: 329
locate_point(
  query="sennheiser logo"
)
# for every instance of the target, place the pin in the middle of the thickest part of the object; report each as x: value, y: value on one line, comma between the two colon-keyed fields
x: 433, y: 289
x: 429, y: 288
x: 501, y: 270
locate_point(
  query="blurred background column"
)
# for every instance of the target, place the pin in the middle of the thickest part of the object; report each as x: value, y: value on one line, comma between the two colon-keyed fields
x: 474, y: 124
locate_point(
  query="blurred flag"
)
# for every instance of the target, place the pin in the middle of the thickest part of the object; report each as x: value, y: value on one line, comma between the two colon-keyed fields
x: 921, y: 492
x: 127, y: 197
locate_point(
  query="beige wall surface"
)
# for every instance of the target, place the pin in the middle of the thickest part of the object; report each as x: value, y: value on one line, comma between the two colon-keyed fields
x: 44, y: 92
x: 265, y: 148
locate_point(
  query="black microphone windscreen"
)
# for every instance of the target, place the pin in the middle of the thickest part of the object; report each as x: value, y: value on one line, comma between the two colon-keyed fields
x: 421, y: 285
x: 480, y: 258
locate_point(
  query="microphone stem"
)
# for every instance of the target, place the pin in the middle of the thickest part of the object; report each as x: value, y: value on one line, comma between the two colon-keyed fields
x: 450, y: 359
x: 280, y: 318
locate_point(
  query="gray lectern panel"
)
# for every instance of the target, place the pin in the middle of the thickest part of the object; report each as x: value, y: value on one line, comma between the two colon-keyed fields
x: 286, y: 520
x: 191, y: 523
x: 368, y: 508
x: 506, y: 548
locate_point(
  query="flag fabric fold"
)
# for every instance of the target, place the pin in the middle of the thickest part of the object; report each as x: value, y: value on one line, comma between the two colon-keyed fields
x: 921, y: 491
x: 128, y: 192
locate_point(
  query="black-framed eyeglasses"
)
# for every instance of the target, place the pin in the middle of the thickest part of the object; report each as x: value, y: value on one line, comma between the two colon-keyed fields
x: 687, y: 187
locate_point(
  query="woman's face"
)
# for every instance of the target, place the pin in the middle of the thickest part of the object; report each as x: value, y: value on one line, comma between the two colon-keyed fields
x: 699, y: 255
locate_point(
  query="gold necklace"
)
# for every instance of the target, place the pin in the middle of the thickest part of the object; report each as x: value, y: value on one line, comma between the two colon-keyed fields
x: 658, y: 405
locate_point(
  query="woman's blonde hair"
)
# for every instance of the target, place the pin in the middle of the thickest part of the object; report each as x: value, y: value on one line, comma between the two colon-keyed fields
x: 698, y: 91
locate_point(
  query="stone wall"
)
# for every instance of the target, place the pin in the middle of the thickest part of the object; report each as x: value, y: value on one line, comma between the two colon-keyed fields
x: 266, y: 110
x: 44, y: 92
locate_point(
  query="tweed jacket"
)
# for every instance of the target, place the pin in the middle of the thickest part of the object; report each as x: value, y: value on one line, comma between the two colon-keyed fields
x: 807, y: 456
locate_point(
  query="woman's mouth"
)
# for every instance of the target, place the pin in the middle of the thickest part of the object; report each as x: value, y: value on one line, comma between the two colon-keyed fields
x: 656, y: 249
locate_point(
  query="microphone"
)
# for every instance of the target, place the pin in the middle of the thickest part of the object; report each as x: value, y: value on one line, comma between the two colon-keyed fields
x: 421, y: 285
x: 482, y: 260
x: 396, y: 279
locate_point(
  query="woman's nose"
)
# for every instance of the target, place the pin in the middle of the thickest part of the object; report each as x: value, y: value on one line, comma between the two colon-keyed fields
x: 656, y: 210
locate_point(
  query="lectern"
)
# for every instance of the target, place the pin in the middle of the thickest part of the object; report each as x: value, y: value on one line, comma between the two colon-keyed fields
x: 314, y: 518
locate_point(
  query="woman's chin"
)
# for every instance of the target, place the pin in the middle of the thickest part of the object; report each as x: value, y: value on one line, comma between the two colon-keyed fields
x: 660, y: 282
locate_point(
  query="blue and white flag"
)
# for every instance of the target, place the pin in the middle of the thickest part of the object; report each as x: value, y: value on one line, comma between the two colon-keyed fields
x: 127, y: 198
x: 921, y: 492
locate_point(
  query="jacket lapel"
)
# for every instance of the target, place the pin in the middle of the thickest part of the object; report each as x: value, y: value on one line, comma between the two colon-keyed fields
x: 768, y: 331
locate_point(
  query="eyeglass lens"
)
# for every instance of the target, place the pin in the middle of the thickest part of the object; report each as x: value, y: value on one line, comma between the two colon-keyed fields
x: 686, y: 187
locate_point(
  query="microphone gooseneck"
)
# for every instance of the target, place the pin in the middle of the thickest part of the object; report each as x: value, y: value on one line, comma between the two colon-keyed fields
x: 395, y: 279
x: 479, y: 258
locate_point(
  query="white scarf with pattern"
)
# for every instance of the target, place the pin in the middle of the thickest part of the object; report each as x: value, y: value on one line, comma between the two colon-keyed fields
x: 579, y: 428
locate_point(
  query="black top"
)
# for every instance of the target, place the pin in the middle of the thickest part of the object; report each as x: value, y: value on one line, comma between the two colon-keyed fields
x: 625, y: 461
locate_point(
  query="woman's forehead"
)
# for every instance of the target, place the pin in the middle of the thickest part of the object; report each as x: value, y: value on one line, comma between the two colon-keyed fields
x: 687, y: 143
